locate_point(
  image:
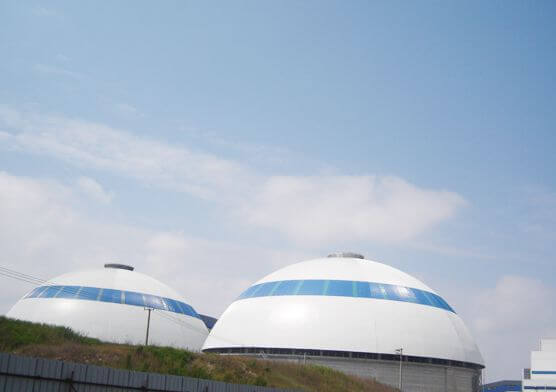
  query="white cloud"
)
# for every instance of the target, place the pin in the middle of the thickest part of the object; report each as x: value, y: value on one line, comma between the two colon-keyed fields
x: 312, y: 209
x: 44, y: 233
x: 41, y: 10
x: 126, y: 110
x: 328, y: 208
x: 217, y: 272
x: 10, y: 118
x: 508, y: 320
x: 512, y: 304
x: 539, y: 223
x: 62, y: 58
x: 93, y: 145
x: 56, y: 71
x: 94, y: 190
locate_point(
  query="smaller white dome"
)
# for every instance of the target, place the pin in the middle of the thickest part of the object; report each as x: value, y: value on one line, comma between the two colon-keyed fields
x: 109, y: 304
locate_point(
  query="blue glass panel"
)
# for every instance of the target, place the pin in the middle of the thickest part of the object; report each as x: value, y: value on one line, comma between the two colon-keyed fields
x: 343, y: 288
x: 347, y: 288
x: 172, y: 305
x: 68, y: 292
x: 193, y: 311
x: 279, y: 288
x: 391, y: 292
x: 185, y: 308
x: 265, y: 289
x: 181, y: 307
x: 110, y: 295
x: 443, y: 304
x: 133, y: 298
x: 36, y: 292
x: 90, y: 293
x: 40, y: 291
x: 362, y: 289
x: 39, y: 294
x: 399, y: 293
x: 114, y: 296
x: 432, y: 299
x: 286, y: 287
x: 437, y: 300
x: 377, y: 290
x: 447, y: 305
x: 421, y: 297
x: 312, y: 287
x: 249, y: 292
x: 50, y: 291
x: 152, y: 301
x: 256, y: 288
x: 244, y: 294
x: 405, y: 294
x: 188, y: 309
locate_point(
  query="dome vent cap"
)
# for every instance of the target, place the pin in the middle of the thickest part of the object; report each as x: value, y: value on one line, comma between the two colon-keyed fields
x: 119, y: 266
x: 349, y: 255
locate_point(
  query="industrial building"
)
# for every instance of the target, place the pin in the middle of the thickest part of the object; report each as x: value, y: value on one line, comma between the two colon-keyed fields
x: 115, y: 304
x: 542, y: 374
x: 358, y: 316
x: 502, y: 386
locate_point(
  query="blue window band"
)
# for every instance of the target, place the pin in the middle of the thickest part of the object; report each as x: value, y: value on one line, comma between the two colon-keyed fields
x: 543, y: 371
x: 346, y: 288
x: 114, y: 296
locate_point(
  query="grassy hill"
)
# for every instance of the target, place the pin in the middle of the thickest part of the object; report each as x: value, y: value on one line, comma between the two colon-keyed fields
x: 47, y: 341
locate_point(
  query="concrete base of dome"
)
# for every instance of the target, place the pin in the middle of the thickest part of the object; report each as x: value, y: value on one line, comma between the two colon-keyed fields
x: 416, y: 377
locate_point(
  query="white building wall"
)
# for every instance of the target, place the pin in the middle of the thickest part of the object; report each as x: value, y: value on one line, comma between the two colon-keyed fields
x: 545, y: 362
x: 543, y: 368
x: 548, y: 345
x: 416, y: 377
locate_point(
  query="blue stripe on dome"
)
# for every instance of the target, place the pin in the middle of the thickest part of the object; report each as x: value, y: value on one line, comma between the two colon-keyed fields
x: 113, y: 296
x: 346, y: 288
x: 543, y: 371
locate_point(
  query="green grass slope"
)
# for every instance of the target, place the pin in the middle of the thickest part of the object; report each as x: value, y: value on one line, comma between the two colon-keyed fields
x: 62, y: 343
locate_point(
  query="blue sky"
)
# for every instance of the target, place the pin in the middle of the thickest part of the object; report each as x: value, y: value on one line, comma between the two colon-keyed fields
x: 217, y: 141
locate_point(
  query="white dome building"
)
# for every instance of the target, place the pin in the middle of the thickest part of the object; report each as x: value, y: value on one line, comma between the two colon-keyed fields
x: 353, y: 314
x: 110, y: 304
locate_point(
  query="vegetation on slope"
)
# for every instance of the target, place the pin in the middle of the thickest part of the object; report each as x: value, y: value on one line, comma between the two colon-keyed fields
x: 62, y: 343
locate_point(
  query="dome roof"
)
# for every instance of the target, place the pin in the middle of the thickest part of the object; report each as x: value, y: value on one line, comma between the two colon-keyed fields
x: 109, y: 304
x: 344, y: 303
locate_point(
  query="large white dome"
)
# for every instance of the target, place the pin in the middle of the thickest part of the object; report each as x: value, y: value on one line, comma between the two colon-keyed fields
x: 109, y: 304
x: 346, y: 305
